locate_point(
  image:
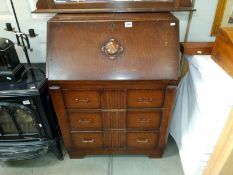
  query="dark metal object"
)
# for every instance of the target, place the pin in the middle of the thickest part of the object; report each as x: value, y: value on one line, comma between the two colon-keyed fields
x: 8, y: 56
x: 11, y: 151
x: 31, y: 32
x: 28, y: 126
x: 10, y: 66
x: 21, y: 36
x: 9, y: 27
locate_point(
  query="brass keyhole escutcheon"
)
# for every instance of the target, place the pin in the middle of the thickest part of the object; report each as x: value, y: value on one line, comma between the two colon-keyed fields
x: 112, y: 48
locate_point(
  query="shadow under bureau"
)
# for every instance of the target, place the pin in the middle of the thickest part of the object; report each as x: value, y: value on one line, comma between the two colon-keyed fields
x: 113, y: 80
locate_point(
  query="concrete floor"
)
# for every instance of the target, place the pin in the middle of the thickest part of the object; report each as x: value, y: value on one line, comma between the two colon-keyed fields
x: 98, y: 165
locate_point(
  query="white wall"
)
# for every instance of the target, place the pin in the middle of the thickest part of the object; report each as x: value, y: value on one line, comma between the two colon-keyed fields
x: 27, y: 21
x: 200, y: 28
x: 202, y: 21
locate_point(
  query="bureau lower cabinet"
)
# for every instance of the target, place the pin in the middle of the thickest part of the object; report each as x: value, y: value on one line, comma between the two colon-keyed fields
x: 113, y: 80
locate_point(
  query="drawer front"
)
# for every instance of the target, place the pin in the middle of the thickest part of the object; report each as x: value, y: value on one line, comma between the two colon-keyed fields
x: 88, y: 139
x: 82, y: 99
x: 85, y: 120
x: 145, y: 98
x: 142, y: 140
x: 143, y: 119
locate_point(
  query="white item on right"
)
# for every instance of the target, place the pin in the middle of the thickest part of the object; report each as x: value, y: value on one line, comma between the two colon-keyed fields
x: 204, y: 100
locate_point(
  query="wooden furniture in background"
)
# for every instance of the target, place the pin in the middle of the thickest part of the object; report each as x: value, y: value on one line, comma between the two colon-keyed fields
x: 113, y: 80
x: 196, y: 48
x: 223, y: 50
x: 221, y: 159
x: 218, y: 16
x: 90, y: 6
x: 193, y: 48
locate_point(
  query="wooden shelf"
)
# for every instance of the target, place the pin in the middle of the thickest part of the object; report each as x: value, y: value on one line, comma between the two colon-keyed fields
x: 49, y: 6
x: 196, y: 48
x: 115, y: 10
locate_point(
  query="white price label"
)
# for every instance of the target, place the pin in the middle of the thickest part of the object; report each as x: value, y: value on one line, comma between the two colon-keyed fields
x: 8, y: 78
x: 128, y: 24
x: 172, y: 24
x: 26, y: 102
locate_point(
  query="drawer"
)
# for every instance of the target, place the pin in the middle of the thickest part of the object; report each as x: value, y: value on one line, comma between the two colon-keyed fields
x: 144, y: 119
x: 82, y: 99
x: 85, y: 120
x: 145, y: 98
x: 142, y: 140
x: 88, y: 139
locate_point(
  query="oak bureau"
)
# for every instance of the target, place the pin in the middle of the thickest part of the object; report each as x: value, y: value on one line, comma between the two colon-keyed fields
x: 113, y: 80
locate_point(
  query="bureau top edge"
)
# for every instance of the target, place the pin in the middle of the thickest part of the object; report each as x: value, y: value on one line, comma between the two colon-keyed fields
x: 112, y: 17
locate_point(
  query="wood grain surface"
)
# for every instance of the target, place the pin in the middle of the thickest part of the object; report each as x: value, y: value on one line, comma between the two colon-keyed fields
x: 151, y: 47
x: 113, y: 106
x: 113, y: 6
x: 223, y: 50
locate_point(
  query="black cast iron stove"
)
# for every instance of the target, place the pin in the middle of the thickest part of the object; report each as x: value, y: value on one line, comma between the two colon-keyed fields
x: 28, y: 125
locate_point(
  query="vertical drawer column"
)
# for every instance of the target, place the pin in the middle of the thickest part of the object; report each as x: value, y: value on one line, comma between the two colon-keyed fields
x: 114, y: 109
x: 114, y: 99
x: 115, y: 140
x: 114, y: 118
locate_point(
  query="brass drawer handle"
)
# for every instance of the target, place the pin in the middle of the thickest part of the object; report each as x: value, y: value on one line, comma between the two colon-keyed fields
x: 88, y: 121
x: 86, y: 100
x: 144, y: 100
x: 88, y: 140
x: 143, y: 120
x: 142, y: 140
x: 112, y: 48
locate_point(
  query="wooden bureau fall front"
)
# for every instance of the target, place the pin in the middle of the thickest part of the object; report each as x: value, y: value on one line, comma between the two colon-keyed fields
x: 113, y: 80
